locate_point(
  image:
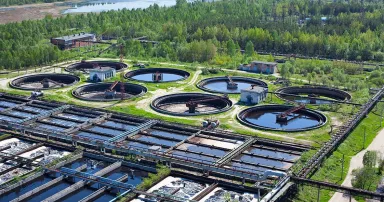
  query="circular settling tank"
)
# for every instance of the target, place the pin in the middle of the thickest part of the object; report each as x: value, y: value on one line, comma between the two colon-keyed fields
x: 85, y: 66
x: 157, y: 75
x: 44, y: 81
x: 191, y: 104
x: 229, y: 85
x: 271, y: 117
x: 104, y: 92
x: 312, y: 94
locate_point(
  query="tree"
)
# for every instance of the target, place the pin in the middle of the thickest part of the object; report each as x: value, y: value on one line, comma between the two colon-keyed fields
x: 284, y: 71
x: 309, y: 78
x: 231, y: 48
x: 249, y: 49
x: 365, y: 178
x: 370, y: 159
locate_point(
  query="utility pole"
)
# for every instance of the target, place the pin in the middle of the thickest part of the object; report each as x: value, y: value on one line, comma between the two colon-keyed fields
x: 342, y: 167
x: 365, y: 129
x: 381, y: 117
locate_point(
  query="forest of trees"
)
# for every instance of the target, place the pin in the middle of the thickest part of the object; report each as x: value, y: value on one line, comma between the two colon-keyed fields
x: 204, y: 31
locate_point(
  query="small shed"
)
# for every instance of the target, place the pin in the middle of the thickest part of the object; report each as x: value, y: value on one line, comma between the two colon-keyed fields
x: 253, y: 95
x: 259, y: 67
x: 101, y: 73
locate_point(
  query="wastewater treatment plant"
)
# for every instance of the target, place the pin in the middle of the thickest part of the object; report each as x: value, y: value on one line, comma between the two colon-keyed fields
x: 191, y: 101
x: 101, y: 141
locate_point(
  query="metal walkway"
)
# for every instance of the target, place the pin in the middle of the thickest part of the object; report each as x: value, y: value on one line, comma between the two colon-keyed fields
x: 93, y: 178
x: 133, y: 131
x: 338, y: 188
x: 230, y: 155
x: 46, y: 114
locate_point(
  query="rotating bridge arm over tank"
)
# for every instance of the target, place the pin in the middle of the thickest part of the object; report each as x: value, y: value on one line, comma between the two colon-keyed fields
x: 283, y: 117
x: 157, y: 77
x: 230, y: 83
x: 110, y: 93
x: 193, y: 103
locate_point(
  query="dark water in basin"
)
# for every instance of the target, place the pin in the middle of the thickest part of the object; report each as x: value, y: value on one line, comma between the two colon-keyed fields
x: 268, y: 119
x: 155, y: 140
x: 7, y: 104
x: 263, y: 161
x: 206, y: 150
x: 169, y: 134
x: 307, y: 100
x: 50, y: 127
x: 62, y: 122
x: 72, y: 116
x: 92, y: 136
x: 166, y: 77
x: 194, y: 157
x: 274, y: 154
x: 247, y: 168
x: 8, y: 118
x: 19, y: 113
x: 221, y: 86
x: 33, y: 109
x: 106, y: 5
x: 106, y: 130
x: 122, y: 126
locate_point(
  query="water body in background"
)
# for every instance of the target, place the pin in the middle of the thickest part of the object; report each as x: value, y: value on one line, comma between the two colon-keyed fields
x: 106, y: 5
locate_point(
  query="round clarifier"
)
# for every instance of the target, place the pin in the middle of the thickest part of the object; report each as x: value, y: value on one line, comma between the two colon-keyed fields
x: 191, y: 104
x: 85, y: 66
x: 312, y: 94
x: 44, y: 81
x: 222, y: 85
x: 266, y: 117
x: 157, y: 75
x: 100, y: 92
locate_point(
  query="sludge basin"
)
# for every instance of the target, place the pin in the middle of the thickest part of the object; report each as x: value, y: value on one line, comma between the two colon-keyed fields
x: 157, y: 75
x: 44, y: 81
x: 313, y: 94
x: 265, y: 117
x: 191, y: 104
x: 221, y: 84
x: 101, y: 91
x: 85, y: 66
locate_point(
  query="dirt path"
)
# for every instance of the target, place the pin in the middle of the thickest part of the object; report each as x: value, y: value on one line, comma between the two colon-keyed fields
x: 357, y: 162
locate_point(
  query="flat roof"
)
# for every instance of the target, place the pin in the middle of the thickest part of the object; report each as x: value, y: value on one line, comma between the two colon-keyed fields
x: 101, y: 69
x: 269, y: 63
x: 257, y: 89
x: 74, y: 36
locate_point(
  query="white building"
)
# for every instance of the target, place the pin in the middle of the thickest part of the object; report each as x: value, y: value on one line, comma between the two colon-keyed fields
x: 101, y: 73
x: 253, y: 94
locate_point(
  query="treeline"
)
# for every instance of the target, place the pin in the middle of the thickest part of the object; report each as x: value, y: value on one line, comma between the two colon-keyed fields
x: 203, y: 31
x: 22, y: 2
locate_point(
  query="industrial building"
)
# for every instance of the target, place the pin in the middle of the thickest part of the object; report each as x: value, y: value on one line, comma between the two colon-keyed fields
x: 253, y: 94
x: 259, y: 67
x: 75, y: 40
x: 101, y: 73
